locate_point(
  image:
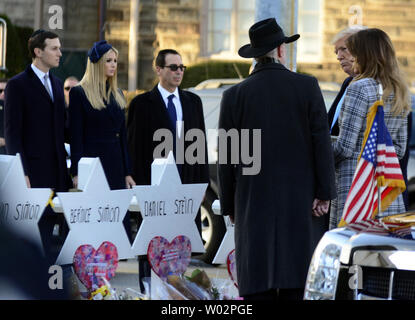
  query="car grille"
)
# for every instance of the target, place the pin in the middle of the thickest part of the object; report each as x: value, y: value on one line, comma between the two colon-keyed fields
x: 404, y: 285
x: 388, y: 283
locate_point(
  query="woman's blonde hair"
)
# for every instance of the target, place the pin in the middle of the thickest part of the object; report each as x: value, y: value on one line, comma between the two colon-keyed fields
x: 95, y: 86
x: 375, y: 58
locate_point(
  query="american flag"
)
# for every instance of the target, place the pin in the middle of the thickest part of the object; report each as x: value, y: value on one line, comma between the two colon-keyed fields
x: 377, y: 167
x: 383, y: 227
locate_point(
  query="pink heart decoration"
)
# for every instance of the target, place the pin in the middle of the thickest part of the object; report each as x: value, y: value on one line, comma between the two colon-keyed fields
x: 231, y: 263
x: 169, y: 258
x: 90, y: 264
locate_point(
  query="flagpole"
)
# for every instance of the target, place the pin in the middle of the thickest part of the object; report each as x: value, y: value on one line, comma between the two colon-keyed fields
x: 379, y: 192
x: 379, y: 201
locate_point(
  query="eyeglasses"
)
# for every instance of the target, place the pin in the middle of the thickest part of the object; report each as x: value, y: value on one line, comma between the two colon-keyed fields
x: 68, y: 88
x: 1, y: 91
x: 174, y: 67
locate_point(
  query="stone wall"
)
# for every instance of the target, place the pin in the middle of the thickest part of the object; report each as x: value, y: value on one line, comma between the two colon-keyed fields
x: 80, y: 24
x: 117, y: 33
x: 80, y: 19
x: 20, y: 12
x: 162, y: 24
x: 176, y: 24
x: 395, y: 17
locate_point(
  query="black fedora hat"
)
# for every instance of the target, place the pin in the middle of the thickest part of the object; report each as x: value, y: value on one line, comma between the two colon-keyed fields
x: 265, y: 36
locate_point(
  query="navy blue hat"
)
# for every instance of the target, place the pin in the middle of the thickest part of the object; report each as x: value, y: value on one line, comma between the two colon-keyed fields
x: 98, y: 50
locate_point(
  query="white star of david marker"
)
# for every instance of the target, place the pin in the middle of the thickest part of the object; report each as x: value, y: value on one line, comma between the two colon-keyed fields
x: 96, y: 214
x: 228, y: 242
x: 168, y: 207
x: 20, y: 207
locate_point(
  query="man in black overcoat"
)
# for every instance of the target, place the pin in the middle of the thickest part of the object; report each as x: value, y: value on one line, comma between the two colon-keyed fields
x: 277, y: 211
x: 161, y: 108
x: 34, y: 114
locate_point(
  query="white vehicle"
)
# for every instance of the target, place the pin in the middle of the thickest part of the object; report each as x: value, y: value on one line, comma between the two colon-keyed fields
x: 350, y: 265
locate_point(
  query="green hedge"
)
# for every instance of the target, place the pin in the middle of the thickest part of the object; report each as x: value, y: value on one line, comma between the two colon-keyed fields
x: 17, y: 56
x: 214, y: 70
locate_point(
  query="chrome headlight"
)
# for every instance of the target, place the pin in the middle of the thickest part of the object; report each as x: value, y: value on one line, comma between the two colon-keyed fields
x: 323, y: 272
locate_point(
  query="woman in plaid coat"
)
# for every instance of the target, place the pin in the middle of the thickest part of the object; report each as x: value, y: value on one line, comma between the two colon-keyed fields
x: 375, y: 63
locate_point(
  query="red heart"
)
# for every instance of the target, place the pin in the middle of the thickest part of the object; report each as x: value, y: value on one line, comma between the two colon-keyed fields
x: 169, y: 258
x: 231, y: 263
x: 91, y: 265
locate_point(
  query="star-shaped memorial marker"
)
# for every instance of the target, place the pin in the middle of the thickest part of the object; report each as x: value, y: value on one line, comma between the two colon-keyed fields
x: 168, y: 207
x: 228, y: 242
x: 96, y: 214
x: 21, y: 207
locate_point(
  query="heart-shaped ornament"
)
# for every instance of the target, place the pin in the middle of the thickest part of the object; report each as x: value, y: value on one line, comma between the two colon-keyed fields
x: 90, y: 264
x: 169, y: 258
x: 231, y: 263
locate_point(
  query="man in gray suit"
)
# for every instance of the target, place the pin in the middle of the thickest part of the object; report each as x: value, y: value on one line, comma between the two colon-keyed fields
x: 277, y: 212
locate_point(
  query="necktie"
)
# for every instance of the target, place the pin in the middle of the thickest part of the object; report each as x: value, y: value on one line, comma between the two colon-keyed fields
x: 171, y: 109
x: 46, y: 84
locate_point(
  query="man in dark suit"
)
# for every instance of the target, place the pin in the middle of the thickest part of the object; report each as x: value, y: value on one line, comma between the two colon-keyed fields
x: 3, y: 83
x: 35, y: 121
x: 346, y: 62
x: 165, y: 107
x: 277, y: 212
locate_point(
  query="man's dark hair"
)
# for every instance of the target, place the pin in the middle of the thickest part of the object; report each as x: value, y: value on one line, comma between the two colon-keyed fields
x: 161, y: 57
x: 37, y: 40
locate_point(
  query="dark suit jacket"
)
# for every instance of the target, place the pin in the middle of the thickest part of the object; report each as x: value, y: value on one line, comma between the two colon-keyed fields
x: 275, y: 232
x: 148, y: 113
x: 2, y: 149
x: 35, y: 128
x: 332, y: 111
x: 99, y: 133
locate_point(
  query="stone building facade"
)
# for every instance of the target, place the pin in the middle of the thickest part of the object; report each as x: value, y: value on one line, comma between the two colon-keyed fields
x: 80, y: 19
x: 186, y: 25
x: 80, y: 26
x: 162, y: 24
x: 395, y: 17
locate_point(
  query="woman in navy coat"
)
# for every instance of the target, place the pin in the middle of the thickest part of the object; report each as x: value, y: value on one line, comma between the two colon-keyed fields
x: 97, y: 118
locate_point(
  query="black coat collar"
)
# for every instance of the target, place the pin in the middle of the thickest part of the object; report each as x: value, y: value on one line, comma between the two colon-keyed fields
x: 39, y: 84
x: 268, y: 66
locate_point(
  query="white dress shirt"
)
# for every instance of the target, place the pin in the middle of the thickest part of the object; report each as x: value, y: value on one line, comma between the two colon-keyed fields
x: 176, y: 100
x: 41, y: 76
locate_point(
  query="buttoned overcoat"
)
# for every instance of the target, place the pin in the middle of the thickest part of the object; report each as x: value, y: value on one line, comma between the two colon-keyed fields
x: 275, y: 232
